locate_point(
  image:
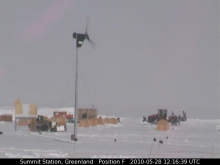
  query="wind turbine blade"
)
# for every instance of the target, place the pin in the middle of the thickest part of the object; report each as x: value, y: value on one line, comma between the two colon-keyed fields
x: 92, y: 43
x: 93, y: 46
x: 87, y: 24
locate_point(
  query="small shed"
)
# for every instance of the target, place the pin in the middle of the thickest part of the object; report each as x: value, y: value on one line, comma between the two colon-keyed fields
x: 84, y: 113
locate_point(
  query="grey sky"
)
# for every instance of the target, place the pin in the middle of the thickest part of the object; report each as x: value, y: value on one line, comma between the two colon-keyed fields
x: 149, y: 55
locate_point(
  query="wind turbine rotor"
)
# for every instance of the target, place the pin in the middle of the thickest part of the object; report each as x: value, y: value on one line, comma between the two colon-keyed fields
x: 81, y: 37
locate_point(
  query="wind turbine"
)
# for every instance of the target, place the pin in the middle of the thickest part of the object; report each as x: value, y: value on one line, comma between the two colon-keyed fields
x: 79, y: 41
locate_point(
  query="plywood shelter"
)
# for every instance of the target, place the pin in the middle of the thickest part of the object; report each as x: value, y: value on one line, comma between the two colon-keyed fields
x: 25, y: 109
x: 24, y: 113
x: 25, y: 122
x: 163, y: 125
x: 6, y: 117
x: 83, y: 113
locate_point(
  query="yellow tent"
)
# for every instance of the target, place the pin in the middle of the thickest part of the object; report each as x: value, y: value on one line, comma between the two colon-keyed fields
x: 163, y: 125
x: 60, y: 120
x: 113, y: 121
x: 93, y: 122
x: 100, y: 121
x: 83, y: 123
x: 106, y: 120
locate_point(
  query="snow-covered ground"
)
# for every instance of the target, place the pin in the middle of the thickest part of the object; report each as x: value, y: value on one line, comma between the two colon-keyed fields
x: 131, y: 138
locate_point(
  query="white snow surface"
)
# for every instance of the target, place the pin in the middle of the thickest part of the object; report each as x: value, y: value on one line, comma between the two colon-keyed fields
x: 131, y: 138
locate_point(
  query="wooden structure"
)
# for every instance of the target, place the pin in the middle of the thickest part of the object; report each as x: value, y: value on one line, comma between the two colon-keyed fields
x: 84, y: 113
x: 6, y: 117
x: 25, y: 112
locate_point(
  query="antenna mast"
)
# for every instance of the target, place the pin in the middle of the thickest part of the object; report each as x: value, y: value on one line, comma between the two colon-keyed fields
x: 76, y: 95
x: 79, y: 41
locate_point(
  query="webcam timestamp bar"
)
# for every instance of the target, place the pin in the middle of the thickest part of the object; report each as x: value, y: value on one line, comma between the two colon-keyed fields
x: 132, y: 161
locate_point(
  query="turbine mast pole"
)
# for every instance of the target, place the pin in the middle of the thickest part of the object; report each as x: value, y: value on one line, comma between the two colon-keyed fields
x: 76, y: 94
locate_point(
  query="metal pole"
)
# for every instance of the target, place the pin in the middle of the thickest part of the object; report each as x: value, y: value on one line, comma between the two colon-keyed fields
x: 212, y: 149
x: 76, y: 91
x: 151, y: 148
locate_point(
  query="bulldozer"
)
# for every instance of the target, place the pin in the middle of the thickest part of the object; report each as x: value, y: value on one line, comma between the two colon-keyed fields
x: 160, y: 120
x: 42, y: 124
x: 53, y: 124
x: 153, y: 119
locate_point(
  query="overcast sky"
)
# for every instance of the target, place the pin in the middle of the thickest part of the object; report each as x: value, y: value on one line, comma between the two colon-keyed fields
x: 150, y: 54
